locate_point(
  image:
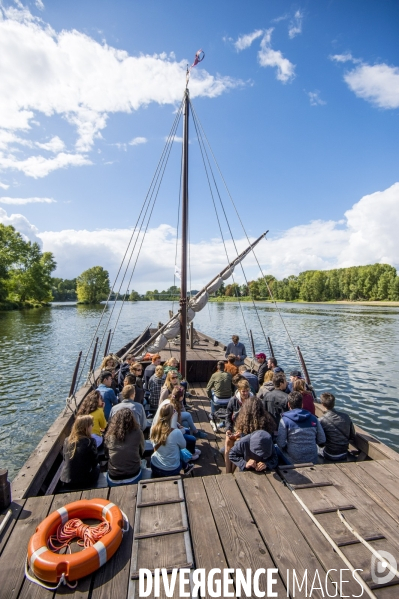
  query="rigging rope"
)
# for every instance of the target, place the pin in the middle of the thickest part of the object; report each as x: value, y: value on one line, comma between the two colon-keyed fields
x: 136, y: 231
x: 214, y: 205
x: 75, y: 528
x: 159, y: 182
x: 253, y: 251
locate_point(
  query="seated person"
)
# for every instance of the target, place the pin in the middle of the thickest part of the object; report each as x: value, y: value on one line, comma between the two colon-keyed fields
x: 233, y: 409
x: 263, y: 367
x: 128, y: 394
x: 299, y: 433
x: 275, y: 402
x: 237, y: 349
x: 267, y: 385
x: 107, y: 393
x: 155, y: 385
x: 111, y: 363
x: 181, y: 419
x: 230, y: 367
x: 124, y: 447
x: 93, y: 406
x: 307, y: 398
x: 168, y: 441
x: 125, y: 368
x: 255, y: 451
x: 220, y: 387
x: 80, y: 469
x: 338, y: 428
x: 272, y: 365
x: 150, y: 370
x: 295, y: 375
x: 251, y: 378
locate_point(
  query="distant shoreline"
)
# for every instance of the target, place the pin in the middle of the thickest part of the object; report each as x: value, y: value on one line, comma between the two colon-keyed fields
x: 384, y: 303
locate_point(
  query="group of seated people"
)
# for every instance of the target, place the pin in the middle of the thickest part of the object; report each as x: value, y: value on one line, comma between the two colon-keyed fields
x: 279, y: 416
x: 112, y: 419
x: 268, y: 421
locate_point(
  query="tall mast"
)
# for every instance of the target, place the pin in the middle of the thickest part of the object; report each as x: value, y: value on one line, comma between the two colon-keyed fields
x: 184, y: 242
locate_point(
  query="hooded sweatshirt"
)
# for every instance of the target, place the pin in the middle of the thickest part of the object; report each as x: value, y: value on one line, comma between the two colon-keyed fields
x: 299, y: 433
x: 257, y: 446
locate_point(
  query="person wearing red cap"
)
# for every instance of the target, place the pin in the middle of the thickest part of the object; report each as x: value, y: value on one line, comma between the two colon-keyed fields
x: 263, y: 368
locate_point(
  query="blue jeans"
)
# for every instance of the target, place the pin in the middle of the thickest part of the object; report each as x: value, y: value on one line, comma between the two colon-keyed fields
x: 128, y: 481
x: 159, y: 473
x: 190, y: 442
x: 217, y: 402
x: 188, y: 422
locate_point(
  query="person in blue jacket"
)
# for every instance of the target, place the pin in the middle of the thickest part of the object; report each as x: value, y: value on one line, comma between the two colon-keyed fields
x: 107, y: 393
x: 299, y: 432
x: 254, y: 452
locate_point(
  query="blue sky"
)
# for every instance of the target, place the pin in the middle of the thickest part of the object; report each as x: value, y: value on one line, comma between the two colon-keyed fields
x: 299, y: 102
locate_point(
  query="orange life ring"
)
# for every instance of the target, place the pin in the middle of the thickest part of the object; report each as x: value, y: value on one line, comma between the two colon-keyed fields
x: 50, y: 566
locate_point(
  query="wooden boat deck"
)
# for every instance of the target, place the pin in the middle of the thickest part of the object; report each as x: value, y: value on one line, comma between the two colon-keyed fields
x: 246, y: 520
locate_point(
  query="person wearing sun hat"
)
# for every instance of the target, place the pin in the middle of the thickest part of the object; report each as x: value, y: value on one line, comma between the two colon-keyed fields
x: 263, y: 368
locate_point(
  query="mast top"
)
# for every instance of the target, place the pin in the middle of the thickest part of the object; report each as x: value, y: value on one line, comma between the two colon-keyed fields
x: 199, y: 57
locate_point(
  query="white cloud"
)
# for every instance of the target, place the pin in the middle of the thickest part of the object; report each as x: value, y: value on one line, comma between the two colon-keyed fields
x: 137, y: 141
x: 39, y: 4
x: 4, y: 186
x: 347, y: 57
x: 54, y: 145
x: 273, y: 58
x: 379, y: 84
x: 38, y: 166
x: 21, y: 224
x: 315, y: 99
x: 295, y: 26
x: 367, y: 234
x: 68, y: 73
x: 244, y: 41
x: 21, y: 201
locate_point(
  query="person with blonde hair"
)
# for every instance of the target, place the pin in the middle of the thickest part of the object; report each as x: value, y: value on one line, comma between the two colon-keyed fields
x: 80, y: 469
x: 267, y: 385
x: 168, y: 441
x: 93, y: 405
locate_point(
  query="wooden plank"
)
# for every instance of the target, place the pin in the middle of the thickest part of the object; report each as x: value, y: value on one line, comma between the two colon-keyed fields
x: 12, y: 561
x: 17, y: 509
x: 208, y: 550
x: 29, y: 589
x: 242, y: 544
x: 312, y: 536
x: 113, y: 579
x: 379, y: 483
x: 369, y: 518
x: 215, y: 440
x: 285, y: 542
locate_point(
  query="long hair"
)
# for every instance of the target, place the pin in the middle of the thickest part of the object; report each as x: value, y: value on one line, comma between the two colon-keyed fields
x: 268, y: 376
x: 253, y: 417
x: 299, y: 385
x: 107, y: 359
x: 80, y: 429
x: 121, y: 423
x: 90, y: 403
x: 175, y: 398
x: 161, y: 430
x: 168, y: 383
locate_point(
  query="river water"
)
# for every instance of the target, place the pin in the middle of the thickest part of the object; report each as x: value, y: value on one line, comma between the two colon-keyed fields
x: 352, y: 351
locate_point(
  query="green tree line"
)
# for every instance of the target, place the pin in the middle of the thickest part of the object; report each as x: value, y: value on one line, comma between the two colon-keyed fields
x: 25, y: 271
x: 375, y: 282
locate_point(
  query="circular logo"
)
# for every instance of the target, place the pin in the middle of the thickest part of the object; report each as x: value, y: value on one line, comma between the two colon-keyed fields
x: 380, y: 572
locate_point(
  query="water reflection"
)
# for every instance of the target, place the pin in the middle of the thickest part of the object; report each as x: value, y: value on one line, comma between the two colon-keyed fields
x: 351, y: 351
